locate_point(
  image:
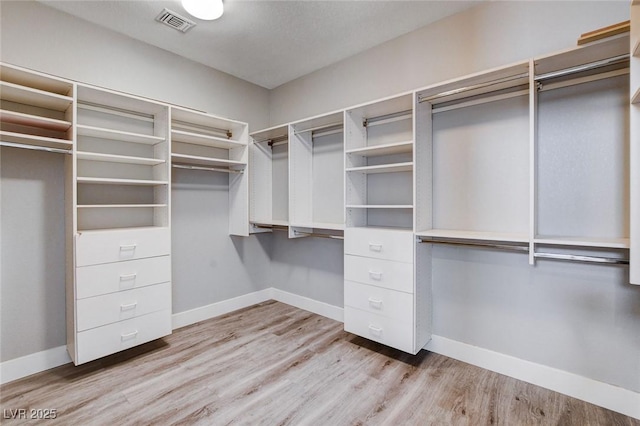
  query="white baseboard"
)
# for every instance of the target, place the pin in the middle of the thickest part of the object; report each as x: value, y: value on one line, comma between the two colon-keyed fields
x: 608, y: 396
x: 33, y: 363
x: 182, y: 319
x: 311, y: 305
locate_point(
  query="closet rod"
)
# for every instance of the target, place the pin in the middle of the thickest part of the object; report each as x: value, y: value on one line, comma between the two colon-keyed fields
x: 327, y: 132
x: 116, y: 111
x: 579, y: 258
x: 581, y: 80
x: 211, y: 130
x: 387, y: 117
x: 326, y: 126
x: 584, y: 67
x: 274, y: 141
x: 210, y: 169
x: 473, y: 87
x: 35, y: 147
x: 313, y: 234
x: 480, y: 101
x: 476, y: 244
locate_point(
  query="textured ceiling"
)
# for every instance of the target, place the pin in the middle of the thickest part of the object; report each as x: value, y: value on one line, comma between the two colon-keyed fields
x: 267, y: 42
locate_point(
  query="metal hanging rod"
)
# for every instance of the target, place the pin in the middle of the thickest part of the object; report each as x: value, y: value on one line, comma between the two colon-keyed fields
x: 116, y: 111
x: 273, y: 227
x: 585, y: 67
x: 473, y: 87
x: 400, y: 115
x: 581, y: 80
x: 210, y: 169
x: 327, y: 132
x: 198, y: 127
x: 275, y: 140
x: 480, y: 101
x: 476, y: 244
x: 330, y: 126
x: 36, y: 147
x: 579, y: 258
x: 313, y: 234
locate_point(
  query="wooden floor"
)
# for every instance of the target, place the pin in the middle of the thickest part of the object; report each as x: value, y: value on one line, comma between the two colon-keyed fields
x: 274, y: 364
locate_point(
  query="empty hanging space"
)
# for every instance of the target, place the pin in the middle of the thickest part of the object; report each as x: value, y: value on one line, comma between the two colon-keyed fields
x: 35, y: 109
x: 316, y: 192
x: 379, y: 164
x: 122, y: 161
x: 472, y: 150
x: 582, y: 162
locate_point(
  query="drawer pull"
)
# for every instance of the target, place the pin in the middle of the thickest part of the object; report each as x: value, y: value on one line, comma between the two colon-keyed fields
x: 128, y: 247
x: 128, y: 336
x: 376, y: 331
x: 128, y: 306
x: 128, y: 277
x: 375, y: 275
x: 375, y: 247
x: 375, y: 303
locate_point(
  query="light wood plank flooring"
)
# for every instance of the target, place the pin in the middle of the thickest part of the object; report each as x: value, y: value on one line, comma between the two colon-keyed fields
x: 273, y: 364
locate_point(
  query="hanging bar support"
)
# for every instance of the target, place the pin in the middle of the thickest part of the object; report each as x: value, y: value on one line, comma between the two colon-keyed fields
x: 35, y: 147
x: 210, y: 169
x: 473, y: 87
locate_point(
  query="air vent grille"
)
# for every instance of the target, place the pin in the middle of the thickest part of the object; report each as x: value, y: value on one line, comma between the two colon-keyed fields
x: 175, y: 21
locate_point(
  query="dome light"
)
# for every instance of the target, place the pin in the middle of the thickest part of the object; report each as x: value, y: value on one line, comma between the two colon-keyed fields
x: 207, y: 10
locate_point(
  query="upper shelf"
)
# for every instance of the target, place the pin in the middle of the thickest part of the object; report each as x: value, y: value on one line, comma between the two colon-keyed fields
x: 325, y: 121
x: 197, y: 122
x: 207, y: 161
x: 117, y: 135
x: 35, y: 80
x: 386, y: 149
x: 112, y: 158
x: 35, y: 140
x: 619, y: 243
x: 205, y: 140
x: 383, y: 168
x: 452, y: 234
x: 35, y: 97
x: 31, y: 120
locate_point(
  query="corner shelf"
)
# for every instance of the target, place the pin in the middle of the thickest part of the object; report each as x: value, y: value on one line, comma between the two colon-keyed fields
x: 29, y: 96
x: 22, y: 119
x: 113, y: 158
x: 383, y: 168
x: 117, y: 135
x: 383, y: 149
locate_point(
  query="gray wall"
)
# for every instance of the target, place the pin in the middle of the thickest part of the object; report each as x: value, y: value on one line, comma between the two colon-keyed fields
x: 578, y: 318
x: 209, y: 266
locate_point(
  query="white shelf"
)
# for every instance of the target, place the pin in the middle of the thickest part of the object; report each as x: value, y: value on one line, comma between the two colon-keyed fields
x: 35, y: 140
x: 117, y: 135
x: 207, y: 161
x: 107, y: 230
x: 270, y: 222
x: 39, y: 98
x: 38, y: 121
x: 111, y: 181
x: 119, y: 206
x: 379, y: 206
x: 619, y: 243
x: 454, y: 234
x: 635, y: 99
x: 112, y: 158
x: 320, y: 225
x: 201, y: 139
x: 386, y: 149
x: 34, y: 79
x: 383, y: 168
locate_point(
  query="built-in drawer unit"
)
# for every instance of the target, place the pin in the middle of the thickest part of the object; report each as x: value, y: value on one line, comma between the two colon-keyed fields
x: 98, y: 247
x: 379, y: 243
x: 388, y: 303
x: 379, y: 272
x: 108, y: 278
x: 391, y: 332
x: 111, y: 338
x: 109, y: 308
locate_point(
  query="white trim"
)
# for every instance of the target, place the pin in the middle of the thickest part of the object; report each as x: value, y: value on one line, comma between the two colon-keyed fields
x: 605, y: 395
x: 182, y: 319
x: 27, y: 365
x: 311, y: 305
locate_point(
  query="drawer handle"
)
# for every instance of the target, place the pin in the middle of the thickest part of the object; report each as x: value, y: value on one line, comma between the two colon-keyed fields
x: 375, y: 247
x: 128, y: 277
x: 128, y: 336
x: 376, y: 331
x: 375, y: 303
x: 128, y: 247
x: 375, y: 275
x: 128, y: 306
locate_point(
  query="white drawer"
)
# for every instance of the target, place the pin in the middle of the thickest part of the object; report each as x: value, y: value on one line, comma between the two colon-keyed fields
x: 102, y: 341
x: 109, y: 308
x: 379, y: 243
x: 379, y: 272
x: 390, y: 332
x: 93, y: 248
x: 112, y: 277
x: 388, y: 303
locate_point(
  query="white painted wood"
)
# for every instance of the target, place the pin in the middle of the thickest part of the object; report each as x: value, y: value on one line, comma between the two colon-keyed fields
x: 108, y: 278
x: 28, y: 96
x: 35, y: 80
x: 634, y: 149
x: 13, y: 117
x: 383, y: 168
x: 96, y: 247
x: 108, y: 339
x: 118, y: 135
x: 379, y: 243
x: 36, y: 140
x: 18, y: 368
x: 379, y: 272
x: 117, y: 181
x: 311, y: 305
x: 202, y: 139
x: 207, y: 161
x: 112, y: 158
x: 384, y: 149
x: 615, y: 243
x: 380, y: 301
x: 454, y: 234
x: 378, y: 328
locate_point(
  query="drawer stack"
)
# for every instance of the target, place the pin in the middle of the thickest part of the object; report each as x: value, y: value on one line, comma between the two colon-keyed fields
x: 122, y: 292
x: 380, y: 294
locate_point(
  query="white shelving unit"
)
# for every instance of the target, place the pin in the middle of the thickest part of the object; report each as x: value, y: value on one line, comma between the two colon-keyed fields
x: 316, y: 191
x: 204, y: 142
x: 269, y: 205
x: 35, y: 109
x: 634, y: 152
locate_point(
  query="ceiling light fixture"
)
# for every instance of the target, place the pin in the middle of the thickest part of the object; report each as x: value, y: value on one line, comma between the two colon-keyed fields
x: 207, y: 10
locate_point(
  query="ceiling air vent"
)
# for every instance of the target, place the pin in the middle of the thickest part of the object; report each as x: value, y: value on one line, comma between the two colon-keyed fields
x: 175, y: 21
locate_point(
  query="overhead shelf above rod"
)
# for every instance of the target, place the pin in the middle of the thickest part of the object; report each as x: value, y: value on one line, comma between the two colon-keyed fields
x: 387, y: 118
x: 582, y: 68
x: 35, y: 147
x: 476, y: 244
x: 210, y: 169
x: 116, y: 111
x: 326, y: 127
x: 200, y: 128
x: 579, y: 258
x: 473, y: 87
x: 316, y: 235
